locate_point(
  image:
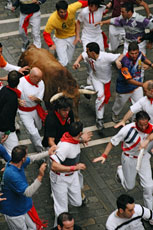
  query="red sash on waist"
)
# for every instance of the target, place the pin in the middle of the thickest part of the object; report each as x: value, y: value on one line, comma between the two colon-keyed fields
x: 26, y: 22
x: 27, y: 109
x: 41, y: 112
x: 35, y: 218
x: 107, y: 94
x: 105, y: 40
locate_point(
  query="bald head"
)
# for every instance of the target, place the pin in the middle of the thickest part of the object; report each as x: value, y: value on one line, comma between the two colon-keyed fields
x: 148, y: 88
x: 35, y: 75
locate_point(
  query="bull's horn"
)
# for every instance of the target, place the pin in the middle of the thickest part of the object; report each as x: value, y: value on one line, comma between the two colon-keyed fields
x: 87, y: 91
x: 55, y: 97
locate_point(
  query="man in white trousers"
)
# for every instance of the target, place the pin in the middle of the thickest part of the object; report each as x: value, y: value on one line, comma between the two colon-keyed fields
x: 64, y: 174
x: 117, y: 33
x: 130, y: 81
x: 133, y: 23
x: 32, y: 92
x: 62, y: 21
x: 101, y: 66
x: 131, y: 135
x: 29, y: 14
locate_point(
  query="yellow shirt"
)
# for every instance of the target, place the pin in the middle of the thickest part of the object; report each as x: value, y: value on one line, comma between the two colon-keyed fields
x: 64, y: 28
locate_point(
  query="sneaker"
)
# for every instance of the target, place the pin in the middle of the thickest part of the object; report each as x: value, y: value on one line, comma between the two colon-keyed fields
x: 25, y: 46
x: 100, y: 124
x: 88, y: 96
x: 115, y: 118
x: 8, y: 6
x: 117, y: 178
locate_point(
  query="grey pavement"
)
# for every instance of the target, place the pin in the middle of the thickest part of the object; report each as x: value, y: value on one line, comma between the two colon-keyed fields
x: 100, y: 187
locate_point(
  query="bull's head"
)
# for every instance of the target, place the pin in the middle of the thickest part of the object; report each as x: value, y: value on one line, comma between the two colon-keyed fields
x: 58, y: 80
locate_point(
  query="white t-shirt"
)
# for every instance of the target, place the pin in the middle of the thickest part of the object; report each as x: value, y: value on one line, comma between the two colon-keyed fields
x: 133, y: 223
x: 102, y: 67
x: 66, y: 150
x: 89, y: 19
x: 30, y: 90
x: 143, y: 104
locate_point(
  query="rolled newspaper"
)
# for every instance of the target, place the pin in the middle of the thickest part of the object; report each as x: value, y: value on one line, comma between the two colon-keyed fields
x: 139, y: 161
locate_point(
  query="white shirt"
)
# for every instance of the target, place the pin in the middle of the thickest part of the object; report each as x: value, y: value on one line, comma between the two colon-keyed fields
x: 143, y: 104
x: 30, y: 90
x: 129, y: 135
x: 10, y: 67
x: 89, y: 19
x: 66, y: 150
x: 114, y: 221
x: 102, y: 67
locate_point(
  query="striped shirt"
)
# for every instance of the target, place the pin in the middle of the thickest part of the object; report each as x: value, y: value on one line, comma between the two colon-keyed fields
x: 134, y: 27
x: 130, y: 137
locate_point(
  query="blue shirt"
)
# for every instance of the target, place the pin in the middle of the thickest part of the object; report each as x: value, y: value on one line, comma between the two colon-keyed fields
x: 129, y: 70
x: 4, y: 154
x: 13, y: 188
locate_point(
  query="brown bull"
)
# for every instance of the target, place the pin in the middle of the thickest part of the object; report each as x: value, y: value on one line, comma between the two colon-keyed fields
x: 57, y: 78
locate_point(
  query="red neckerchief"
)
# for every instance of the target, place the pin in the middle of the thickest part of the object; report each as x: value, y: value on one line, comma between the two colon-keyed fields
x: 60, y: 118
x: 66, y: 16
x: 35, y: 218
x: 148, y: 130
x: 28, y: 79
x: 26, y: 22
x: 68, y: 138
x: 17, y: 91
x: 127, y: 55
x: 150, y: 99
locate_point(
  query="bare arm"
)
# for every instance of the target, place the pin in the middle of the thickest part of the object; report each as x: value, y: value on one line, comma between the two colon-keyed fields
x: 77, y: 30
x: 35, y: 99
x: 148, y: 62
x: 76, y: 64
x: 127, y: 116
x: 134, y: 82
x: 56, y: 167
x: 103, y: 157
x: 51, y: 141
x: 4, y: 78
x: 118, y: 61
x: 103, y: 22
x: 146, y: 7
x: 144, y: 143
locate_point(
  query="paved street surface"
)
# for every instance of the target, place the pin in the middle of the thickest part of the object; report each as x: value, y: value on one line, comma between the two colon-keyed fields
x: 100, y: 187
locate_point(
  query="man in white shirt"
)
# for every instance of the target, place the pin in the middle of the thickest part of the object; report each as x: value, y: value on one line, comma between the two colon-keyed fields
x: 88, y: 17
x: 32, y: 92
x: 128, y: 215
x: 64, y: 174
x: 131, y: 136
x: 101, y: 65
x: 144, y: 103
